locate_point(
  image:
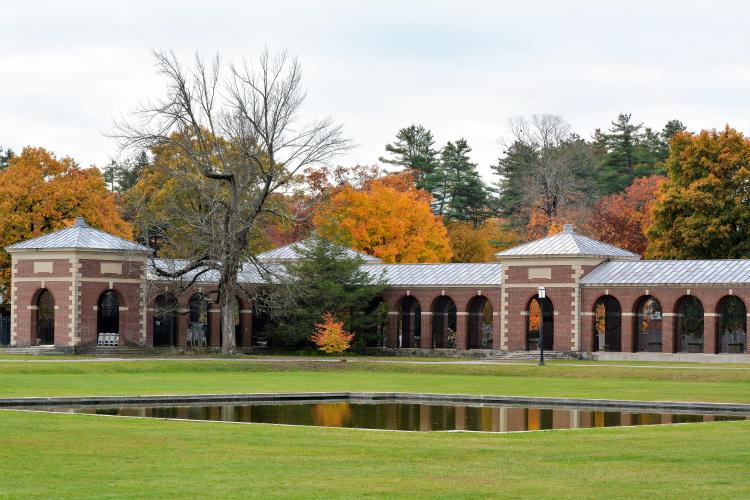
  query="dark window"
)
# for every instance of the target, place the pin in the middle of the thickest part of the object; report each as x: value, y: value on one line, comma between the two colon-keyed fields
x: 647, y: 325
x: 541, y: 313
x: 444, y: 323
x: 410, y: 323
x: 689, y: 325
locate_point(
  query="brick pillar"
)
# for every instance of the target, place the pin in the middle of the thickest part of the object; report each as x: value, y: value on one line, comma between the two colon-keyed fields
x: 426, y: 342
x: 627, y: 333
x: 461, y: 320
x: 183, y: 319
x: 392, y: 332
x: 247, y: 327
x: 587, y: 333
x: 149, y: 328
x: 496, y: 332
x: 709, y: 334
x: 668, y: 342
x: 214, y: 317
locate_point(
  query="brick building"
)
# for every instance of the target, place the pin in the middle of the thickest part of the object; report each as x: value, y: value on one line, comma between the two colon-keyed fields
x: 81, y: 287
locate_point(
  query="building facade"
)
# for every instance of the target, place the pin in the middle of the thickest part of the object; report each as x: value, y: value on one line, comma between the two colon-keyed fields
x: 81, y: 287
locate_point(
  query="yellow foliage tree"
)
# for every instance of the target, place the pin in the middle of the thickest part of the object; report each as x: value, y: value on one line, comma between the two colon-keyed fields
x: 40, y: 193
x: 388, y: 218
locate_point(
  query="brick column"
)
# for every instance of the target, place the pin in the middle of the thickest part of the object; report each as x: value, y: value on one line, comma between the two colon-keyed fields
x: 214, y: 317
x: 627, y: 332
x: 709, y: 333
x: 247, y: 327
x: 392, y: 331
x: 426, y: 329
x: 587, y: 332
x: 461, y: 320
x: 183, y: 317
x: 668, y: 342
x: 497, y: 340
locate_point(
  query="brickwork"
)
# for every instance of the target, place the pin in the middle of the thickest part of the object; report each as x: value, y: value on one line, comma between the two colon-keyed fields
x: 461, y: 297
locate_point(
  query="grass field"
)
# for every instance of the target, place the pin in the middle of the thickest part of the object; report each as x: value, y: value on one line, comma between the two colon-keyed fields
x: 591, y: 380
x: 81, y: 456
x: 68, y: 455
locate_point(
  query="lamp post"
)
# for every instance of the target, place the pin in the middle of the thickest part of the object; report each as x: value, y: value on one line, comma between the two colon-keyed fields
x: 542, y: 294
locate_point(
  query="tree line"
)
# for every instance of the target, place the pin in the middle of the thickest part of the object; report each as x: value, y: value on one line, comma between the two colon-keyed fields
x: 221, y: 169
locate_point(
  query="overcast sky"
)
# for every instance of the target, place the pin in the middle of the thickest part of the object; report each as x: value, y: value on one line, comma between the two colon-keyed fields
x: 461, y: 68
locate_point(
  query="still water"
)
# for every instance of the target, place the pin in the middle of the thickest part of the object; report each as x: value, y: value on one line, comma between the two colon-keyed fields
x: 406, y: 416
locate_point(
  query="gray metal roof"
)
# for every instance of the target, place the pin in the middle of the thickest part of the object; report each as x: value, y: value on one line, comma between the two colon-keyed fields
x: 78, y: 236
x: 488, y: 274
x: 483, y: 274
x: 287, y: 252
x: 567, y: 243
x: 249, y: 274
x: 670, y: 272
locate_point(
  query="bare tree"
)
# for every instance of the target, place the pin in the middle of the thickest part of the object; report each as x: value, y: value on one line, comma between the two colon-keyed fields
x: 238, y: 136
x: 557, y: 174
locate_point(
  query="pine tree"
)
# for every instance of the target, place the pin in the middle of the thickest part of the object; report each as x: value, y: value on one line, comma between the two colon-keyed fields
x: 414, y: 149
x: 617, y: 168
x: 5, y: 156
x: 459, y: 193
x: 510, y: 188
x: 326, y: 278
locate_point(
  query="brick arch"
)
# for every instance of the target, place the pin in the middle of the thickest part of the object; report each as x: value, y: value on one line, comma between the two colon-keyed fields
x: 445, y: 323
x: 612, y: 324
x: 731, y: 332
x: 547, y: 321
x: 476, y: 323
x: 688, y: 331
x: 648, y: 329
x: 36, y: 337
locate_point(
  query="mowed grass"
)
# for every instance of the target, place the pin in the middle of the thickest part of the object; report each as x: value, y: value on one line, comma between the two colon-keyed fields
x: 175, y: 376
x: 61, y: 455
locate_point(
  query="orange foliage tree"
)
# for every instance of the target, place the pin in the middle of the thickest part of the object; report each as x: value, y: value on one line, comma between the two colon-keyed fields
x: 330, y: 336
x: 470, y: 244
x: 40, y: 193
x: 388, y: 218
x: 622, y: 219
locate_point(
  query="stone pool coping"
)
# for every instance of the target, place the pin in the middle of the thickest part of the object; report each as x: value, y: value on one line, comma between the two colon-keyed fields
x: 621, y: 404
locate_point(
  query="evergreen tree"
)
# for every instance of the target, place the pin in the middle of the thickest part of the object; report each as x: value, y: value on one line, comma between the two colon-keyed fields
x: 510, y: 188
x: 5, y: 156
x: 326, y: 277
x: 121, y: 176
x: 617, y: 168
x: 414, y: 149
x: 459, y: 193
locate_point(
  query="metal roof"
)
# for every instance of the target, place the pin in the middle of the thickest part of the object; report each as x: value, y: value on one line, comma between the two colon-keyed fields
x: 287, y: 252
x: 249, y: 274
x: 670, y: 272
x: 483, y: 274
x: 567, y: 243
x: 78, y: 236
x: 488, y: 274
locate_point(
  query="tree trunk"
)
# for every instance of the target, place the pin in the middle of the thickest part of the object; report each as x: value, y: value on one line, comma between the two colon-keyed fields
x: 227, y: 323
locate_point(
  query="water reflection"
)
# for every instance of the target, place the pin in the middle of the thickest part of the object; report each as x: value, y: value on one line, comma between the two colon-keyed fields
x: 407, y: 416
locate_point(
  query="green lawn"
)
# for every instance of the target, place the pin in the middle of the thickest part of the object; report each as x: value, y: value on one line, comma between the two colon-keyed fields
x: 66, y: 455
x: 79, y: 456
x: 592, y: 380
